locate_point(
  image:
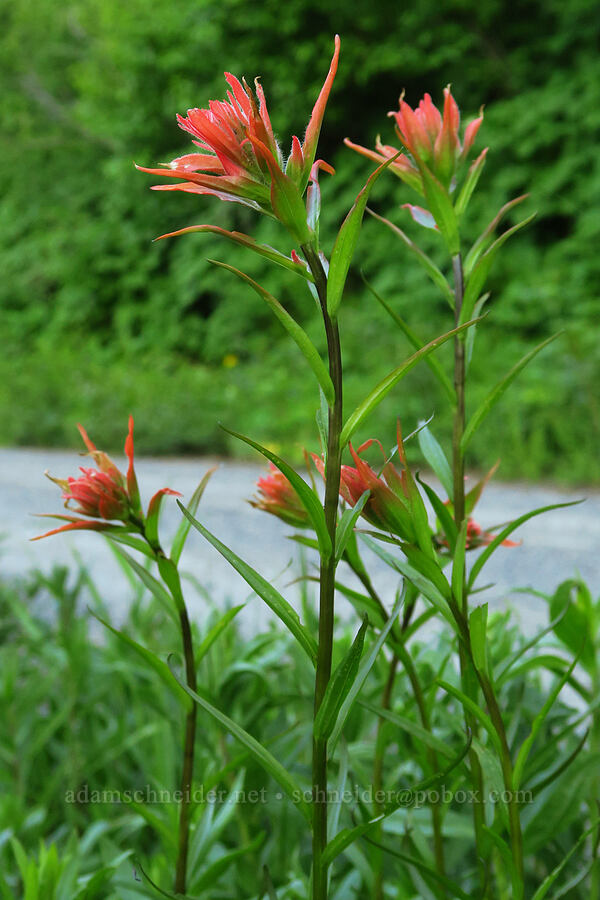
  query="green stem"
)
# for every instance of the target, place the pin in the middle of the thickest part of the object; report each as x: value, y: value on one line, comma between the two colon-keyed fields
x: 187, y: 772
x: 327, y: 575
x: 187, y: 768
x: 401, y: 654
x: 469, y: 684
x: 378, y: 773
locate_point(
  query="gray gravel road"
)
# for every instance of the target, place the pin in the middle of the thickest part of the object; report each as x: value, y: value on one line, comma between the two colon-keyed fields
x: 556, y: 545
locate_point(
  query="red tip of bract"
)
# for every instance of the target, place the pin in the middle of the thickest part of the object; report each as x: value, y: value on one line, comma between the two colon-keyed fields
x: 91, y: 446
x: 313, y: 129
x: 132, y: 483
x: 78, y: 525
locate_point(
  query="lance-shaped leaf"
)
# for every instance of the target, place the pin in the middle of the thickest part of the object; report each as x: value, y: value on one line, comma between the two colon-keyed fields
x: 498, y: 390
x: 308, y: 497
x: 263, y: 588
x: 346, y: 524
x: 485, y: 238
x: 384, y: 387
x: 209, y: 876
x: 152, y: 660
x: 475, y: 281
x: 150, y: 582
x: 443, y: 514
x: 345, y: 242
x: 339, y: 686
x: 416, y: 342
x: 572, y: 598
x: 436, y: 458
x: 476, y: 711
x: 470, y: 183
x: 268, y: 762
x: 428, y: 264
x: 487, y: 552
x: 452, y: 888
x: 347, y: 836
x: 185, y: 525
x: 478, y: 632
x: 503, y: 669
x: 562, y: 767
x: 413, y: 728
x: 363, y: 674
x: 216, y: 630
x: 440, y: 206
x: 153, y: 514
x: 551, y: 878
x: 237, y: 237
x: 298, y: 335
x: 539, y: 720
x: 421, y: 582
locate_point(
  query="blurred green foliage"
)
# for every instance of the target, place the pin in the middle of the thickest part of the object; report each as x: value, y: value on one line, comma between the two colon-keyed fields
x: 97, y: 321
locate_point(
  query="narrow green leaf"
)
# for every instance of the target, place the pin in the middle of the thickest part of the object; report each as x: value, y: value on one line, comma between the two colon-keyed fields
x: 416, y: 342
x: 217, y: 630
x: 551, y: 878
x: 537, y: 723
x: 384, y: 387
x: 211, y: 874
x: 478, y: 631
x: 477, y: 277
x: 562, y: 767
x: 452, y: 887
x: 268, y: 762
x: 507, y: 857
x: 185, y: 525
x: 476, y: 711
x: 339, y: 686
x: 573, y: 598
x: 501, y: 675
x: 485, y: 238
x: 443, y: 513
x: 298, y: 335
x: 469, y: 184
x: 345, y: 242
x: 308, y: 497
x: 440, y: 206
x: 458, y: 565
x: 506, y: 532
x: 151, y: 659
x: 346, y: 524
x: 148, y: 580
x: 496, y: 393
x: 470, y: 338
x: 245, y: 240
x: 362, y: 603
x: 429, y: 590
x: 121, y: 537
x: 345, y: 837
x: 435, y: 456
x: 430, y: 267
x: 412, y: 728
x: 263, y: 588
x: 363, y: 673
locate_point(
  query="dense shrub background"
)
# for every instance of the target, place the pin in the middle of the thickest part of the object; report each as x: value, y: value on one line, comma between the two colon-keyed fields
x: 97, y: 321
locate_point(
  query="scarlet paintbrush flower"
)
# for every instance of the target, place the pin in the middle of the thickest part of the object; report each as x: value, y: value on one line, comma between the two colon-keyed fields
x: 104, y: 494
x: 393, y: 496
x: 277, y: 496
x: 241, y: 160
x: 431, y: 140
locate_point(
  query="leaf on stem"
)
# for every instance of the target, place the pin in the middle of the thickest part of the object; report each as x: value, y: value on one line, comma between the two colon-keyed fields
x: 512, y: 526
x: 481, y: 716
x: 428, y: 264
x: 345, y: 242
x: 363, y: 673
x: 551, y: 878
x: 346, y: 524
x: 296, y: 332
x: 339, y: 686
x: 384, y: 387
x: 245, y: 240
x: 148, y: 580
x: 496, y: 393
x: 436, y: 458
x: 185, y: 525
x: 485, y: 238
x: 216, y: 631
x: 416, y: 342
x: 278, y: 604
x: 268, y: 762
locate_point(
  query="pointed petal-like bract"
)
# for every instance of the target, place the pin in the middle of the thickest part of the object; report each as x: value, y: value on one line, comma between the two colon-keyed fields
x: 313, y: 129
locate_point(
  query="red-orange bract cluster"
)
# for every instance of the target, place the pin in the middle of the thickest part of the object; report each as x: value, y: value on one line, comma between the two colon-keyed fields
x: 278, y: 497
x: 241, y: 160
x: 432, y: 142
x: 105, y: 494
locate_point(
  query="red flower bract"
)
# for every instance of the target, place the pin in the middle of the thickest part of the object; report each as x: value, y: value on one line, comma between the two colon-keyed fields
x: 277, y: 496
x: 240, y: 159
x: 431, y: 140
x: 104, y: 494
